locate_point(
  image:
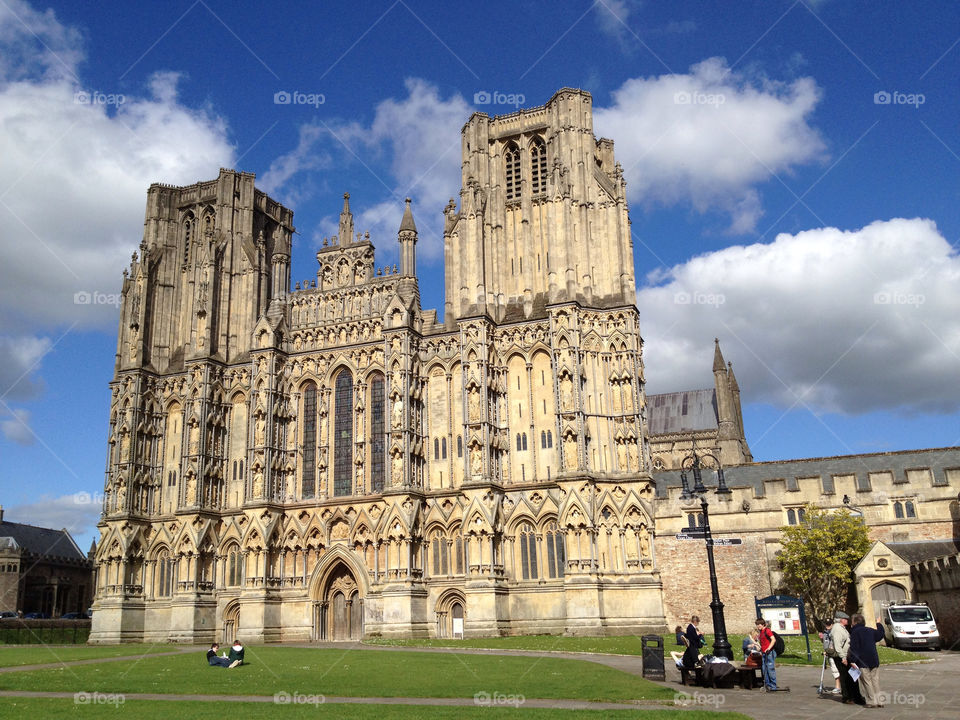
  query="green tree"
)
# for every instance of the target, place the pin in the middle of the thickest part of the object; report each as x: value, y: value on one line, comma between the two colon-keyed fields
x: 819, y: 555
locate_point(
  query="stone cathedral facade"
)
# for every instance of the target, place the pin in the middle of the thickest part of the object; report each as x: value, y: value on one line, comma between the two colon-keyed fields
x: 325, y: 460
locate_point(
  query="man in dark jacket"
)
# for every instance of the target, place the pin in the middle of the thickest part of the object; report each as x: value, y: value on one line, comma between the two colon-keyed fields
x: 236, y: 654
x: 863, y: 656
x: 213, y: 660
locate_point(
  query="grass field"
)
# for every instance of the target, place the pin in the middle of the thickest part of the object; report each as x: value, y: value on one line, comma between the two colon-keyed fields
x: 162, y: 710
x: 355, y: 673
x: 796, y: 647
x: 14, y: 655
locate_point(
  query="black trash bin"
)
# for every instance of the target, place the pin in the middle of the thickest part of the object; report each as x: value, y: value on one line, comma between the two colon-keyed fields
x: 652, y: 651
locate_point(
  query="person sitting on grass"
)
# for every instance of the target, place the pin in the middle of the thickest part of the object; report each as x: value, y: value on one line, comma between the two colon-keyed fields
x: 236, y: 654
x: 213, y: 660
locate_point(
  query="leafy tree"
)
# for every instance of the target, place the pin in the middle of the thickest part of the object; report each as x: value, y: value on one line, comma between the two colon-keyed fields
x: 818, y: 557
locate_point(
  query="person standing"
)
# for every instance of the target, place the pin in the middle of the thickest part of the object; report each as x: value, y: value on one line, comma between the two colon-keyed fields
x: 768, y: 665
x: 829, y: 654
x: 863, y: 655
x: 849, y: 688
x: 694, y: 641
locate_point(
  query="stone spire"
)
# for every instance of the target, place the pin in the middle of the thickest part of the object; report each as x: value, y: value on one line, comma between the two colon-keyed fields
x: 718, y: 363
x: 407, y: 236
x: 345, y: 233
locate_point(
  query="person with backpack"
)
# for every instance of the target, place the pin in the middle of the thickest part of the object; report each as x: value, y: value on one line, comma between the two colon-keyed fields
x: 769, y: 642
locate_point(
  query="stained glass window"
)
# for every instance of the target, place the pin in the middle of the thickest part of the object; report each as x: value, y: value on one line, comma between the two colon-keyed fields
x: 343, y: 440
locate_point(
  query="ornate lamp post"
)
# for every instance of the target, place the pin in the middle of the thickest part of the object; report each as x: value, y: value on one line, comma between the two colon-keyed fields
x: 721, y: 646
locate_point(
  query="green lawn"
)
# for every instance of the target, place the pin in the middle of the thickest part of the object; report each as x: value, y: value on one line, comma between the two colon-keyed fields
x: 12, y: 655
x: 355, y: 673
x: 796, y: 647
x: 161, y: 710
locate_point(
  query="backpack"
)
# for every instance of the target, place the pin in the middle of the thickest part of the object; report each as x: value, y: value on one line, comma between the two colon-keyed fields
x: 778, y: 645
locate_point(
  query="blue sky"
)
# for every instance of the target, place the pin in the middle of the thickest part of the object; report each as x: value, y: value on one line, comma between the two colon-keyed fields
x: 792, y: 171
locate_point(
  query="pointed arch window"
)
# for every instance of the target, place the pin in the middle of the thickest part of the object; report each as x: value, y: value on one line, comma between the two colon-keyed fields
x: 187, y: 238
x: 308, y: 481
x: 538, y: 167
x: 166, y: 569
x: 528, y: 552
x: 343, y: 429
x: 459, y: 446
x: 441, y: 554
x: 377, y: 429
x: 234, y: 567
x: 512, y: 166
x: 556, y: 556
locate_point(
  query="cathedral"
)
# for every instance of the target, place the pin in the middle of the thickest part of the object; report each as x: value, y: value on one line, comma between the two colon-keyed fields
x: 325, y: 460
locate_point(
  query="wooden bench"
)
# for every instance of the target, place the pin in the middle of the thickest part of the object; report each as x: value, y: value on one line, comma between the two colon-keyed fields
x: 750, y: 676
x: 691, y: 676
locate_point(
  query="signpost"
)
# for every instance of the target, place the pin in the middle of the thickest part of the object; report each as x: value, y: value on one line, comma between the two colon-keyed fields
x: 716, y: 541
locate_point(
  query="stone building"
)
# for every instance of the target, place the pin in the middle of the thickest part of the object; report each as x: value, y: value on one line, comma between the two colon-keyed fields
x: 42, y: 570
x: 330, y: 460
x: 325, y: 459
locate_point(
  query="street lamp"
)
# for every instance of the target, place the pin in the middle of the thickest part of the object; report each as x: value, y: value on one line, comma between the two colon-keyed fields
x: 721, y: 646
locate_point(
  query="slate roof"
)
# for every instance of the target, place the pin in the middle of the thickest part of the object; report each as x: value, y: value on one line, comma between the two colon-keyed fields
x: 919, y: 551
x: 42, y: 542
x: 754, y: 474
x: 685, y: 411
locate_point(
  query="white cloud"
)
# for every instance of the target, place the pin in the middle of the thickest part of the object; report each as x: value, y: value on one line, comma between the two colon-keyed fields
x: 19, y: 359
x: 839, y: 321
x: 710, y: 136
x: 77, y: 162
x: 17, y: 427
x: 78, y: 513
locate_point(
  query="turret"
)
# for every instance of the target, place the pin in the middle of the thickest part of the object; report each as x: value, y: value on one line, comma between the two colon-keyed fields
x: 407, y: 236
x: 345, y: 233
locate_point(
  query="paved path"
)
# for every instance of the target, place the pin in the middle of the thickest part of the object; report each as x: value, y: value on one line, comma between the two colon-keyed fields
x: 915, y: 691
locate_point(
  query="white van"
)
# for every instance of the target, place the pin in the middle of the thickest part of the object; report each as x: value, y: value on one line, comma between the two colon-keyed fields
x: 910, y: 626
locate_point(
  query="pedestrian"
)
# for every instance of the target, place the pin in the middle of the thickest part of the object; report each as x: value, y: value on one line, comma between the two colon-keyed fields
x: 751, y: 650
x: 829, y: 654
x: 863, y: 656
x: 849, y: 689
x: 694, y: 641
x: 768, y: 664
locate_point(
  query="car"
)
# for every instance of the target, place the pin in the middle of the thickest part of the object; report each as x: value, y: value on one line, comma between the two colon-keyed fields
x: 36, y: 616
x: 71, y: 616
x: 910, y: 626
x: 6, y: 614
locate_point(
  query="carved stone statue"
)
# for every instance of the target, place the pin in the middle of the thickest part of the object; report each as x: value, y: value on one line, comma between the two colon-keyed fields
x: 397, y: 413
x: 476, y: 460
x: 191, y: 490
x: 259, y: 432
x: 397, y: 472
x: 644, y: 537
x: 258, y: 483
x: 121, y: 495
x: 474, y: 404
x: 570, y: 452
x: 634, y: 457
x: 621, y: 456
x: 194, y: 438
x: 566, y: 393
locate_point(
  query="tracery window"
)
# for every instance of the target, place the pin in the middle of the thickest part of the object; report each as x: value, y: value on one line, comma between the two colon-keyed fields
x: 309, y: 477
x: 377, y: 428
x: 538, y: 167
x: 459, y: 446
x: 441, y: 554
x: 443, y: 448
x: 234, y: 567
x: 512, y: 162
x: 187, y: 238
x: 343, y: 430
x: 165, y: 571
x: 556, y: 555
x: 459, y: 551
x: 528, y: 552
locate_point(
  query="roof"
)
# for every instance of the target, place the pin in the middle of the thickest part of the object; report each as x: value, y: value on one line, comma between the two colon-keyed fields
x: 685, y: 411
x: 919, y: 551
x: 42, y: 541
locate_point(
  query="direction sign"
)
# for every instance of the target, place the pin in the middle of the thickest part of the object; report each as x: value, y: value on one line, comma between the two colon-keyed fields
x: 682, y: 536
x: 727, y: 541
x: 697, y: 532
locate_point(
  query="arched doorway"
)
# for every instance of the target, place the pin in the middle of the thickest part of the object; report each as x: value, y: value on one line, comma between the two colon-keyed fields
x: 339, y: 615
x: 450, y: 614
x: 231, y: 623
x: 885, y: 594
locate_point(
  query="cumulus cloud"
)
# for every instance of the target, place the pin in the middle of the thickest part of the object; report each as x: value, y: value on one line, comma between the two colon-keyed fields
x: 710, y: 136
x: 78, y: 513
x: 412, y: 148
x: 76, y: 164
x: 17, y: 427
x: 833, y: 320
x: 19, y: 360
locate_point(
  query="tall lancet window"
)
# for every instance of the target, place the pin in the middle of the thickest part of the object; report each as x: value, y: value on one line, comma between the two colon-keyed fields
x: 308, y: 481
x: 538, y: 167
x: 187, y: 238
x: 512, y: 162
x: 343, y: 431
x: 377, y: 429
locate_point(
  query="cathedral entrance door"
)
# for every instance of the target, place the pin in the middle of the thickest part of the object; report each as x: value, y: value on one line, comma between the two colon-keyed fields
x: 343, y: 619
x: 231, y: 623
